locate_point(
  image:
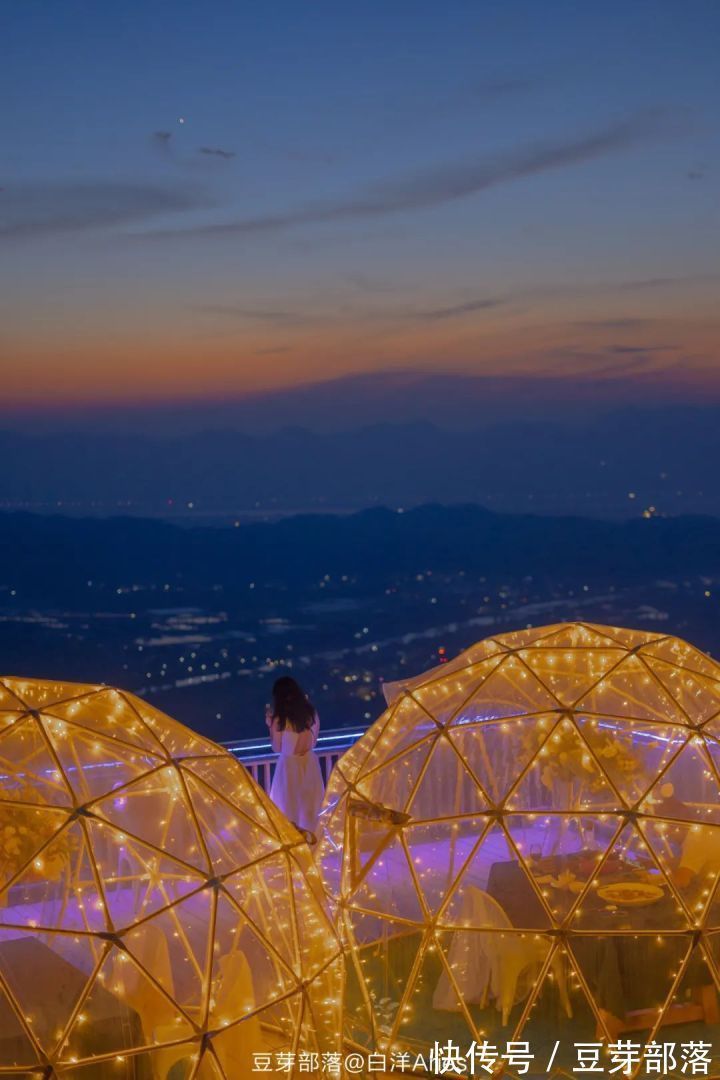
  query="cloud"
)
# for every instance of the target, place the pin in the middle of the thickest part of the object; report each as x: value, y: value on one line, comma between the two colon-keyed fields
x: 216, y: 151
x: 579, y: 361
x: 459, y: 309
x: 274, y: 316
x: 600, y: 288
x: 286, y: 317
x: 612, y: 324
x: 37, y: 210
x: 639, y: 350
x: 439, y: 186
x: 162, y: 143
x: 166, y: 145
x: 636, y: 364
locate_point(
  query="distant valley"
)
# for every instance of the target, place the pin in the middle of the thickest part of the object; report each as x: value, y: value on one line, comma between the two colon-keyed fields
x: 624, y: 463
x: 201, y: 620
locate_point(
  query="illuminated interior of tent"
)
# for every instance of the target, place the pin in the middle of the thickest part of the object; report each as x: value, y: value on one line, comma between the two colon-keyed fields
x: 526, y: 844
x: 158, y: 916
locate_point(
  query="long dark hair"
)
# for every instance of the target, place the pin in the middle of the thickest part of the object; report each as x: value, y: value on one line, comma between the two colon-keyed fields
x: 291, y: 705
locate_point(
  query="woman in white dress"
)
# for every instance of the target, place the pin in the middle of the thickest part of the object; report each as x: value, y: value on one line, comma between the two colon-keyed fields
x: 297, y: 787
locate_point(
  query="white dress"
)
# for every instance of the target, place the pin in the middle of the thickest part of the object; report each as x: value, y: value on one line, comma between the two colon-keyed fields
x: 297, y: 787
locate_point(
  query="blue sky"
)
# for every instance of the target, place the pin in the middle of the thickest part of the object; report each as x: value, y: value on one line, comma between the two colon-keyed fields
x: 209, y: 200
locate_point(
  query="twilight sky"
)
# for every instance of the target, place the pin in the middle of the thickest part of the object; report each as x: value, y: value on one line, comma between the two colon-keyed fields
x: 207, y: 200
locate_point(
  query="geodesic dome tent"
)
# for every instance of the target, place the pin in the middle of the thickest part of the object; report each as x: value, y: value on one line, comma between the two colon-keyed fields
x: 526, y: 845
x: 158, y: 916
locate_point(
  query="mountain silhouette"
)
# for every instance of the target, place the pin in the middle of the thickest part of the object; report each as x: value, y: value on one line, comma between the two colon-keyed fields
x: 49, y: 560
x: 619, y: 464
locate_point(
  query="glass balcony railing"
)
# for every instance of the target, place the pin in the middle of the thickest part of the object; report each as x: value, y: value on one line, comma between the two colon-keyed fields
x: 259, y: 758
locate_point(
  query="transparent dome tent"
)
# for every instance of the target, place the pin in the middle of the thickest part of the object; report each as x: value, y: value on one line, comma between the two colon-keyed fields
x: 526, y: 846
x: 159, y: 918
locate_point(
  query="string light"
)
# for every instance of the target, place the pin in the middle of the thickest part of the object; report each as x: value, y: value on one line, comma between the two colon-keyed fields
x: 519, y: 801
x: 143, y: 862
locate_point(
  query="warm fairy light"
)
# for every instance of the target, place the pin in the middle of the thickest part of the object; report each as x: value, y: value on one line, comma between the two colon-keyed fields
x: 486, y: 820
x: 124, y: 839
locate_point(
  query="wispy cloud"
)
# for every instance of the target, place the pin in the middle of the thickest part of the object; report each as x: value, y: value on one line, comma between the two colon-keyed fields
x: 289, y: 317
x: 455, y: 310
x: 273, y: 316
x: 579, y: 361
x: 620, y: 285
x: 438, y: 186
x: 161, y: 142
x: 38, y: 210
x: 640, y: 350
x: 636, y: 364
x: 217, y: 151
x: 612, y: 324
x: 165, y: 144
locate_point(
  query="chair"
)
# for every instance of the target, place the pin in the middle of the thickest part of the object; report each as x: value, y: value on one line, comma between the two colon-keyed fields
x: 502, y: 966
x: 151, y: 952
x: 152, y: 955
x: 234, y: 996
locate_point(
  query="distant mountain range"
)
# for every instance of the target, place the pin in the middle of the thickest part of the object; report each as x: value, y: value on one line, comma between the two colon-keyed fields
x: 49, y: 561
x: 620, y: 463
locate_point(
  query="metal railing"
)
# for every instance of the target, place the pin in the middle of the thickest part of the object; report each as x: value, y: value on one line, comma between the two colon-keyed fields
x: 259, y: 758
